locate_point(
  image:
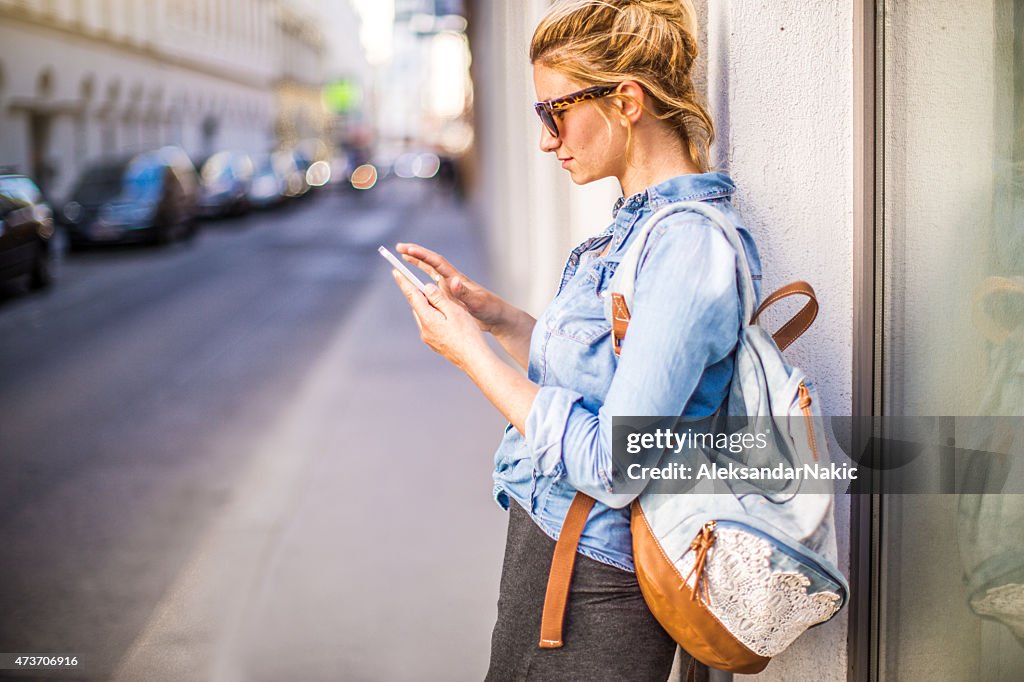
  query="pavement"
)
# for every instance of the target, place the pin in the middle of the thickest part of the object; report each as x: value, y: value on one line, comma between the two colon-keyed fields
x: 361, y: 541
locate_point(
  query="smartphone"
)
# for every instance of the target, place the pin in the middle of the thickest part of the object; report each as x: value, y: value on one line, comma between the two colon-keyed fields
x: 400, y: 266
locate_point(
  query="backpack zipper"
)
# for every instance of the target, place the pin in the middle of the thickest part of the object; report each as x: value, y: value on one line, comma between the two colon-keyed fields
x: 805, y: 406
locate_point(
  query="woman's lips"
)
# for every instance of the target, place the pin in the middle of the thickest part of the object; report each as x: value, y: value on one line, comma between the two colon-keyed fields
x: 565, y: 162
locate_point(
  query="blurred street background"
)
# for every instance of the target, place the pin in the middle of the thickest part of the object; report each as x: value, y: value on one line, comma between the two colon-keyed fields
x: 224, y: 452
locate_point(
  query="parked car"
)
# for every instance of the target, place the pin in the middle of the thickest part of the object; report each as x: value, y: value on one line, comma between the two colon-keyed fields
x: 150, y: 197
x: 269, y: 184
x: 225, y: 180
x: 27, y: 244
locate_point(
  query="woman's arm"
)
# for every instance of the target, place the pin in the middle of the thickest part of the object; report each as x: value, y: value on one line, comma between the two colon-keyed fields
x: 508, y: 324
x: 685, y: 319
x: 514, y: 334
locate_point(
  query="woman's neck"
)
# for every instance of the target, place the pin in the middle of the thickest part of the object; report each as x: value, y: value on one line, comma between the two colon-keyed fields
x: 652, y: 162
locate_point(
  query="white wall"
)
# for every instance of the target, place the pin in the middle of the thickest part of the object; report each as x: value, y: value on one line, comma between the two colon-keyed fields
x: 780, y: 80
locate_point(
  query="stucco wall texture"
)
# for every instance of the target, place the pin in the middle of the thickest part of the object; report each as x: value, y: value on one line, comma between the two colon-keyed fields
x: 780, y: 84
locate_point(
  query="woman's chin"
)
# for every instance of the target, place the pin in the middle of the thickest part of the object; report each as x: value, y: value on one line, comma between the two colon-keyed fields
x: 579, y: 178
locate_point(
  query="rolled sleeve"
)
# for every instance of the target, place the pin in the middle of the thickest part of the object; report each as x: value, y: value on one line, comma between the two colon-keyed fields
x: 546, y: 426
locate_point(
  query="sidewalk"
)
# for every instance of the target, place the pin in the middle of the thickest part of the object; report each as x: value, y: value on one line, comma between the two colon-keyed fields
x: 363, y: 543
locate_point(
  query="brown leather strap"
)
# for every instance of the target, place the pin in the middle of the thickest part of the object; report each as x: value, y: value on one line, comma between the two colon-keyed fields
x: 798, y: 324
x: 787, y: 334
x: 561, y: 571
x: 620, y: 321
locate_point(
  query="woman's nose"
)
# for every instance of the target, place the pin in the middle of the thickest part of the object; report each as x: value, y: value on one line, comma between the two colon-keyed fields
x: 548, y: 142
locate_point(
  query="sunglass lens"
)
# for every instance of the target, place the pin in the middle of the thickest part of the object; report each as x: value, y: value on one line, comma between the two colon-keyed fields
x: 548, y: 119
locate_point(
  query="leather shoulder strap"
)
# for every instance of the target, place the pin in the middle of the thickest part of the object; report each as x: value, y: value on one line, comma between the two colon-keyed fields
x: 560, y: 576
x: 798, y: 324
x: 624, y: 280
x: 784, y: 337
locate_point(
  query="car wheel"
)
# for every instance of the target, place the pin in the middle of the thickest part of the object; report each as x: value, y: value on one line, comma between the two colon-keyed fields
x: 163, y: 234
x: 43, y: 267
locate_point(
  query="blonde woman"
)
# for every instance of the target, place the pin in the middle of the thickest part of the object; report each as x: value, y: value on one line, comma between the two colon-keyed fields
x: 616, y: 99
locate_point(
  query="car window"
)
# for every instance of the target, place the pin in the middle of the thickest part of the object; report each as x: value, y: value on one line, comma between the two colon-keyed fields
x: 29, y: 191
x: 143, y: 180
x: 18, y: 192
x: 218, y: 165
x: 98, y: 184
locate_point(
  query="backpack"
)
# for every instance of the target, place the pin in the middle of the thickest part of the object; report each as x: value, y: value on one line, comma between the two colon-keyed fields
x: 733, y: 578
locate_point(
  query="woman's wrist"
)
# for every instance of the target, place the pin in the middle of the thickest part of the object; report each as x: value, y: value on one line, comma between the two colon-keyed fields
x: 515, y: 323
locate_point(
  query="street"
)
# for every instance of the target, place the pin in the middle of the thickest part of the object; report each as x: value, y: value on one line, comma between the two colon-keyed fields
x: 233, y: 459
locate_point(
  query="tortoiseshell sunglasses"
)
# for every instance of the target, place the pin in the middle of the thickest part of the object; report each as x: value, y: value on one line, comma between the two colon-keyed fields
x: 546, y: 110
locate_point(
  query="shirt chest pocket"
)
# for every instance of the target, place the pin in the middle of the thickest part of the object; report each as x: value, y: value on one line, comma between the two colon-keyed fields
x: 579, y: 312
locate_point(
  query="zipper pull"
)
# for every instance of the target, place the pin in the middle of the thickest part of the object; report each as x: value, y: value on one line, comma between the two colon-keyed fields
x: 701, y: 544
x: 805, y: 405
x: 805, y: 396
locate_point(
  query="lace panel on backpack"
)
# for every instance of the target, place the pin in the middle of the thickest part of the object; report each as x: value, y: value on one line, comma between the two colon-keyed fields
x: 765, y: 610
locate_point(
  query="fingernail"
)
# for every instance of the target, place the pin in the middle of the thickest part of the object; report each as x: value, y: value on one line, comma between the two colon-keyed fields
x: 430, y: 289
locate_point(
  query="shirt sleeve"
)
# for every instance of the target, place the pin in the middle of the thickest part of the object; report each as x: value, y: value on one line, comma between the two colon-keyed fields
x: 685, y: 318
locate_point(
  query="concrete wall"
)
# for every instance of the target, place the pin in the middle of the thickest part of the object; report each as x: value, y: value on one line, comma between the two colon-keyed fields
x: 780, y: 84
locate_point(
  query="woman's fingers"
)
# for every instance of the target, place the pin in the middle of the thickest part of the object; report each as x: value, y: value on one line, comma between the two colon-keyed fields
x: 424, y: 266
x: 422, y: 308
x: 431, y: 258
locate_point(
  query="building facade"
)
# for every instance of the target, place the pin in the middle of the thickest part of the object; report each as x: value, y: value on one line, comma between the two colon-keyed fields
x: 80, y: 79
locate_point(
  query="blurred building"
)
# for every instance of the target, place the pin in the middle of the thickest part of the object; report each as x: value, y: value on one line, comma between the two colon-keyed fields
x: 300, y: 78
x: 428, y: 98
x: 86, y: 78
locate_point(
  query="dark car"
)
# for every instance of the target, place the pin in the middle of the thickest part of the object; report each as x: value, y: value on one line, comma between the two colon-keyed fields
x: 225, y: 180
x: 26, y: 232
x: 150, y: 197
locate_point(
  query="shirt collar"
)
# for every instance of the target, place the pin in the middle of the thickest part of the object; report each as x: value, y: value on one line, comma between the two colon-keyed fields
x: 691, y: 187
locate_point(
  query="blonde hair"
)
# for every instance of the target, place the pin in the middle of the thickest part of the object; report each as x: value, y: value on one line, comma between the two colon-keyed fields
x: 652, y: 42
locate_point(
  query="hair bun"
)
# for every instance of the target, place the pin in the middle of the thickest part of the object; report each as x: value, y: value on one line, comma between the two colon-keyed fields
x: 681, y: 11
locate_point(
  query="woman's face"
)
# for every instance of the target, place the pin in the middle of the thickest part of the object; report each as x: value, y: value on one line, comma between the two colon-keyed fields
x: 589, y: 145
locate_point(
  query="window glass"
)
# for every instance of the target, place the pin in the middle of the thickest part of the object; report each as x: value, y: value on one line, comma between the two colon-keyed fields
x: 143, y: 180
x: 951, y: 208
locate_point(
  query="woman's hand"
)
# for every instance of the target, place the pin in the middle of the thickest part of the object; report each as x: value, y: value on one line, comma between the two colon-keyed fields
x: 445, y: 325
x: 449, y: 329
x: 488, y: 309
x: 511, y: 326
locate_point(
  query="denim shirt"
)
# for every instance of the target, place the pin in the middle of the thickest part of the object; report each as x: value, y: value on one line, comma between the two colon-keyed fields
x: 677, y: 358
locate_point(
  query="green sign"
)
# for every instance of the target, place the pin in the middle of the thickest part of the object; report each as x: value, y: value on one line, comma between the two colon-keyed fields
x: 342, y: 96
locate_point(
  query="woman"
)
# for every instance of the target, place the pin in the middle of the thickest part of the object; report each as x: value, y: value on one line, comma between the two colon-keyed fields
x: 616, y: 100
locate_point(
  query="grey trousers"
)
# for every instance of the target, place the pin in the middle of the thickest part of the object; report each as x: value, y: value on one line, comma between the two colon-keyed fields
x: 609, y: 632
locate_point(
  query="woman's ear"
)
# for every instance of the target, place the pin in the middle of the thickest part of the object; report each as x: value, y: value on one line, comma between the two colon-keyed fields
x: 631, y: 102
